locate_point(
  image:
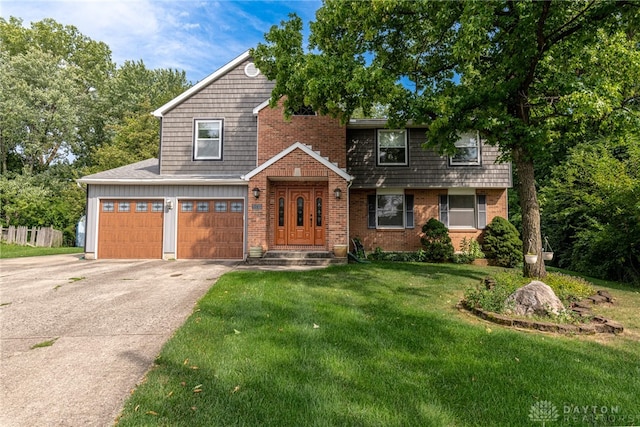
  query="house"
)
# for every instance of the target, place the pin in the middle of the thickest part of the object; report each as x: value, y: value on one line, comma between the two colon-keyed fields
x: 233, y: 175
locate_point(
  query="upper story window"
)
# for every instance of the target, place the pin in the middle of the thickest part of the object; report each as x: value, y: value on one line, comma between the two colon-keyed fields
x: 392, y: 147
x: 305, y: 110
x: 467, y: 150
x: 207, y: 144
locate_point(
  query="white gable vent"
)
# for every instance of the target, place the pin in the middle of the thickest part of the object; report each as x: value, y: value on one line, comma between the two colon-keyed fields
x: 251, y: 70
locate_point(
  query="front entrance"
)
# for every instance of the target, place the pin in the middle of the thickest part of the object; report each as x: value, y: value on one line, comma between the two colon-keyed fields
x: 300, y: 216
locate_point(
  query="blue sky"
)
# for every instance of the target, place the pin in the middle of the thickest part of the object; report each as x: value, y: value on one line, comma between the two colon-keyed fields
x: 195, y: 36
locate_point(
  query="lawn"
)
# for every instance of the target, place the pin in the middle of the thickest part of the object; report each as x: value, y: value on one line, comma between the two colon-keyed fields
x: 380, y: 344
x: 16, y: 251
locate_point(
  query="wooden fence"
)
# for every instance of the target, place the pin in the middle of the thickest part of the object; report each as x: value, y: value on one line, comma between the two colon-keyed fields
x: 45, y: 237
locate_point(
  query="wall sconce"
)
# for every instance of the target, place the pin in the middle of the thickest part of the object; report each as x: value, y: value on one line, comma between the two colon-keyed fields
x: 169, y: 204
x: 256, y: 192
x: 337, y: 192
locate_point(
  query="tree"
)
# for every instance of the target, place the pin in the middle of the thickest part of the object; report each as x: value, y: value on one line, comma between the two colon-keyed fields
x: 524, y: 74
x: 592, y: 209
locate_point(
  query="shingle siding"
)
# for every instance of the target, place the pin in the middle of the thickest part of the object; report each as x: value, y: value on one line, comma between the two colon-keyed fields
x: 231, y: 98
x: 426, y: 168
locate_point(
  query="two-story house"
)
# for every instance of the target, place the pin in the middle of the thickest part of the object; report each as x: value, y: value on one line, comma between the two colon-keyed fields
x: 233, y: 174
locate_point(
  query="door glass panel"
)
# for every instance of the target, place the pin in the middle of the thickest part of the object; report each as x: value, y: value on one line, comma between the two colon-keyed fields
x: 300, y: 212
x: 319, y: 211
x: 281, y: 212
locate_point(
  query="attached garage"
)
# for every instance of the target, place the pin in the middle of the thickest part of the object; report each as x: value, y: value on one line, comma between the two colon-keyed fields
x: 129, y: 229
x: 211, y: 229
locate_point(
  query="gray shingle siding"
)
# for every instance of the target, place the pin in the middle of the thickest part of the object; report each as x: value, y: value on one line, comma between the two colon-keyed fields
x: 231, y: 98
x: 426, y: 168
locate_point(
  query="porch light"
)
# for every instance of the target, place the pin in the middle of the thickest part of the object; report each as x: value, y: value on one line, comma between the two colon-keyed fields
x: 256, y: 192
x: 169, y: 204
x: 337, y: 192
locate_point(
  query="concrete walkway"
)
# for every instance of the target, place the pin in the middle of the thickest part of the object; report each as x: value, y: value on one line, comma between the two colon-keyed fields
x: 105, y: 321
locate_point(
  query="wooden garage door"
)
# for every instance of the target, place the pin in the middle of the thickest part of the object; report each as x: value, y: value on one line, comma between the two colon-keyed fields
x: 130, y: 229
x: 210, y: 229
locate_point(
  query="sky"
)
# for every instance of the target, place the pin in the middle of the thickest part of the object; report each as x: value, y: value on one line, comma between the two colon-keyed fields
x: 195, y: 36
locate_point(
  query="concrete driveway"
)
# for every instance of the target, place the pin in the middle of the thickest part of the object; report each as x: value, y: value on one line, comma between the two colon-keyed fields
x: 107, y: 321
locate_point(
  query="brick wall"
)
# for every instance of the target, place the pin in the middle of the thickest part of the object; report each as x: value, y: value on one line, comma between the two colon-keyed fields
x: 324, y: 134
x: 425, y: 207
x: 297, y: 169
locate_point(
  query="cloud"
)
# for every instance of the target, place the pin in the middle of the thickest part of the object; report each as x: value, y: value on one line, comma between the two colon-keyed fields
x: 195, y: 36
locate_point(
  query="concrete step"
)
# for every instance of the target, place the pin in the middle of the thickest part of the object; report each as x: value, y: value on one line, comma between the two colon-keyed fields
x: 316, y: 258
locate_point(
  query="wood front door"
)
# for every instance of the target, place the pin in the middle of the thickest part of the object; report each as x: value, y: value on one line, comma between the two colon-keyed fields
x: 300, y: 216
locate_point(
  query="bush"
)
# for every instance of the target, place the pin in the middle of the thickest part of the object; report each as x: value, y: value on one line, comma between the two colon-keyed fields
x: 436, y: 242
x: 469, y: 251
x: 502, y: 243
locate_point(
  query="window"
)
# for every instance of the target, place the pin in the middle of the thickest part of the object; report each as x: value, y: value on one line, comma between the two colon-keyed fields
x: 467, y: 151
x: 208, y: 140
x: 463, y: 210
x: 221, y: 206
x: 141, y: 206
x: 237, y: 207
x: 305, y: 110
x: 157, y: 206
x: 390, y: 211
x: 202, y: 207
x: 108, y: 207
x: 392, y: 147
x: 123, y: 206
x: 187, y: 206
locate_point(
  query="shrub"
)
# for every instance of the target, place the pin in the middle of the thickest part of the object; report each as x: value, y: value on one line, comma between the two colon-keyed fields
x: 502, y: 243
x: 436, y: 242
x: 469, y: 251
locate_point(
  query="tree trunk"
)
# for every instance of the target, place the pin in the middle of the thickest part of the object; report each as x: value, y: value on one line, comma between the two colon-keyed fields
x: 531, y: 234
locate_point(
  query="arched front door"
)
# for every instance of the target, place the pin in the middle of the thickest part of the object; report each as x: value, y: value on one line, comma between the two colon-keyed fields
x: 300, y: 216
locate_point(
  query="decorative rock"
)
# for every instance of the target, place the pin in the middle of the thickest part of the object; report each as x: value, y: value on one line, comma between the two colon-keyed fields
x: 534, y: 298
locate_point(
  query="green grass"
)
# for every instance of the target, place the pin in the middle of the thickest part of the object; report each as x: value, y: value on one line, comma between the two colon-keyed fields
x: 380, y: 344
x: 43, y: 344
x: 17, y: 251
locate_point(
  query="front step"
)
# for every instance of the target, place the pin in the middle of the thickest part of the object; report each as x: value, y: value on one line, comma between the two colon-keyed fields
x: 284, y: 258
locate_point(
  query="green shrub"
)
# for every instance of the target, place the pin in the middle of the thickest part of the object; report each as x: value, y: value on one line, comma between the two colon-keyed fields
x: 436, y: 242
x: 469, y: 251
x: 502, y: 243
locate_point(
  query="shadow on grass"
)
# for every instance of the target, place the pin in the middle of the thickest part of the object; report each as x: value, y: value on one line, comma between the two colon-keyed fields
x: 290, y: 349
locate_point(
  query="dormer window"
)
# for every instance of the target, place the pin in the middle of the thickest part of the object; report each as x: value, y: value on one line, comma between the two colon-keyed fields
x: 207, y: 144
x: 392, y: 147
x: 467, y: 150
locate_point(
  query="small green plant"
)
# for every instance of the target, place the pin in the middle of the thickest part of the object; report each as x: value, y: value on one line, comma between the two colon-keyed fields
x: 469, y: 251
x: 42, y: 344
x: 436, y: 242
x: 502, y: 243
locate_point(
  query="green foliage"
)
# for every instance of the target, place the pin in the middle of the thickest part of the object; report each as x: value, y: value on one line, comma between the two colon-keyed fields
x: 469, y: 251
x: 502, y: 243
x: 592, y: 209
x: 436, y: 242
x: 379, y: 255
x: 567, y: 288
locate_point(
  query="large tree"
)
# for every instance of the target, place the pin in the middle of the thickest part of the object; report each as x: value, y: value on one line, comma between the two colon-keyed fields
x: 524, y: 74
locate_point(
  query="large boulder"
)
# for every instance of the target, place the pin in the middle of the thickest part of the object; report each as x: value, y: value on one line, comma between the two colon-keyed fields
x: 534, y: 298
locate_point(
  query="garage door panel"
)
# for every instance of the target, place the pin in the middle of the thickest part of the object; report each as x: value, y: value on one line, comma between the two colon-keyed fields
x: 208, y: 230
x: 131, y: 234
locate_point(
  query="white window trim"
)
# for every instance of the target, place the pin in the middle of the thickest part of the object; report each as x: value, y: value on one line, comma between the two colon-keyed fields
x: 195, y: 139
x: 478, y: 160
x: 463, y: 192
x: 406, y: 147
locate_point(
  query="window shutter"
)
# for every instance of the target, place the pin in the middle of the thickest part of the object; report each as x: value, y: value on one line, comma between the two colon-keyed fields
x: 444, y: 209
x: 482, y: 210
x: 408, y: 203
x: 371, y: 217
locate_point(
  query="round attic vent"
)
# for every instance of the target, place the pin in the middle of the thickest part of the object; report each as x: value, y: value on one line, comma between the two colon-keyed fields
x: 251, y: 70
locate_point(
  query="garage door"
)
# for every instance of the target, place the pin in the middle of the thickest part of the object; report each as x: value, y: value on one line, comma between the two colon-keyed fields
x: 130, y: 229
x: 210, y: 229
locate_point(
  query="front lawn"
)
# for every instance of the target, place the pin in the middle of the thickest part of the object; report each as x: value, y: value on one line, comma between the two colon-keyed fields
x: 17, y: 251
x: 379, y: 344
